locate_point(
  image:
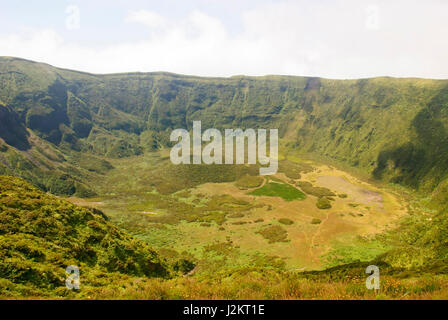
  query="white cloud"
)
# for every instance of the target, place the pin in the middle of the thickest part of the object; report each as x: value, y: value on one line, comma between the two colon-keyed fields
x: 146, y: 17
x: 37, y: 44
x: 340, y: 39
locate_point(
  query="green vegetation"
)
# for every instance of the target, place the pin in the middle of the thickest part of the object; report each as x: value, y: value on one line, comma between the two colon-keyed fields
x: 126, y: 114
x: 293, y: 169
x: 252, y: 283
x: 274, y: 234
x: 422, y: 243
x: 285, y: 221
x: 40, y: 235
x: 168, y: 178
x: 319, y: 192
x: 249, y: 182
x: 107, y: 136
x: 358, y: 250
x: 323, y: 203
x: 236, y: 215
x: 274, y: 189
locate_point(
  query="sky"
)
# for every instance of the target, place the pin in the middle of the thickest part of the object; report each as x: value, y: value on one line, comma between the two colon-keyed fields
x: 340, y: 39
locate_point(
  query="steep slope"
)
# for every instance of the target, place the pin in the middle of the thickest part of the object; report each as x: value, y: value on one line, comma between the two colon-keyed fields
x: 421, y: 244
x: 394, y: 129
x: 40, y: 235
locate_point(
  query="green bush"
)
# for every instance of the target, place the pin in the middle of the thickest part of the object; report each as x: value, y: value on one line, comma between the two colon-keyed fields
x: 314, y: 191
x: 285, y: 221
x: 274, y: 234
x: 323, y: 203
x: 248, y: 182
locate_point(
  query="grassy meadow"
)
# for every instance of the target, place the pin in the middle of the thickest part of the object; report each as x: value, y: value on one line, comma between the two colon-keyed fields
x: 268, y: 223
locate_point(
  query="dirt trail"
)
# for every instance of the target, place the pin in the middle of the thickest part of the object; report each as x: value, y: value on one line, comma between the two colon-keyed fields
x: 313, y: 238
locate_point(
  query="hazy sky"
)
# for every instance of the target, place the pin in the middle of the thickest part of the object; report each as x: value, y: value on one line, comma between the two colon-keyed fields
x: 327, y: 38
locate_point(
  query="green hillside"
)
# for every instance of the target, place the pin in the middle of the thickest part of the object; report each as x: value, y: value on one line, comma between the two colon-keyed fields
x: 393, y: 129
x: 363, y: 178
x: 40, y: 235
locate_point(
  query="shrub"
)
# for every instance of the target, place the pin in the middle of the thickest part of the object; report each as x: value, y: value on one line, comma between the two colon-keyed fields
x: 323, y: 203
x: 62, y: 185
x: 236, y: 215
x: 83, y: 192
x: 274, y: 234
x: 292, y: 169
x: 183, y: 266
x: 248, y: 182
x: 308, y: 188
x: 285, y: 221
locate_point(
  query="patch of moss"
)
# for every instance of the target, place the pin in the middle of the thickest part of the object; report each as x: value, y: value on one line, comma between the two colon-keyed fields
x: 285, y: 191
